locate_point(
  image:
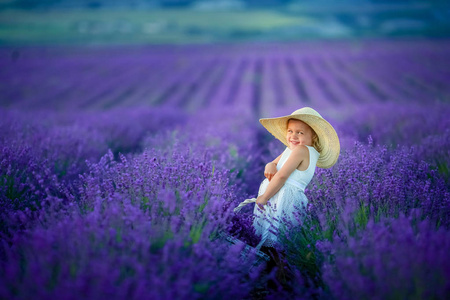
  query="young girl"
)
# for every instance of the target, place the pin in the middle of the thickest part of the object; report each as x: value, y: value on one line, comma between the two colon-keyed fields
x: 281, y: 201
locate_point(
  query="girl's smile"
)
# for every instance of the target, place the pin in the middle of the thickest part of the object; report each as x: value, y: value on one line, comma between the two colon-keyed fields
x: 298, y: 133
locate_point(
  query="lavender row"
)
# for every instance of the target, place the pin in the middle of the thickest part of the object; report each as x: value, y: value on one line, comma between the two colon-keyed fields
x: 423, y: 127
x: 42, y: 153
x: 146, y: 222
x: 139, y: 227
x: 37, y: 153
x: 377, y: 226
x: 321, y: 75
x: 141, y: 224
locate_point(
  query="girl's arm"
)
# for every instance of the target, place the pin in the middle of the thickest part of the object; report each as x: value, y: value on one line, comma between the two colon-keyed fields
x: 297, y: 156
x: 271, y: 168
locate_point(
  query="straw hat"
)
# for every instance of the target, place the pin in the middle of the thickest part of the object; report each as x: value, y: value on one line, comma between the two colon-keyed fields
x: 328, y: 138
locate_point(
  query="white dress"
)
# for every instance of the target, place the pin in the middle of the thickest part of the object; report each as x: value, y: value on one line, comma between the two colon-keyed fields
x: 288, y: 205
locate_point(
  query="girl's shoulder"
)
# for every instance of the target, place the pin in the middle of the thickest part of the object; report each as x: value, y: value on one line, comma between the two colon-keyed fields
x: 303, y: 152
x: 300, y: 150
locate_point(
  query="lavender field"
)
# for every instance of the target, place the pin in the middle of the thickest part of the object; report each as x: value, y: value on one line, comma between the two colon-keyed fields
x: 119, y: 165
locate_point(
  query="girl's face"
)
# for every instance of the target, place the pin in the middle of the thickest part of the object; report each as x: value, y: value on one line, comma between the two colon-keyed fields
x: 298, y: 133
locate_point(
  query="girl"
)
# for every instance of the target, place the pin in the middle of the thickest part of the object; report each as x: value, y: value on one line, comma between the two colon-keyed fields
x: 281, y: 201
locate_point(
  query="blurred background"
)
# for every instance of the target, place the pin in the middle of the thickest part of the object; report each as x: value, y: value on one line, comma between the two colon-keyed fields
x: 217, y: 21
x: 190, y: 54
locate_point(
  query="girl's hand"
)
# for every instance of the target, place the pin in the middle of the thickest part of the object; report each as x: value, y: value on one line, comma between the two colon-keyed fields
x: 261, y: 202
x: 270, y: 170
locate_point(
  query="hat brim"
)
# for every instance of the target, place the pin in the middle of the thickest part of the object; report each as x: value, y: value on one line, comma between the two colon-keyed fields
x: 328, y: 137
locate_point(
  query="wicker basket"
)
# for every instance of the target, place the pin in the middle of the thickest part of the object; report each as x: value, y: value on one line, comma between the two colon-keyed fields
x: 247, y: 250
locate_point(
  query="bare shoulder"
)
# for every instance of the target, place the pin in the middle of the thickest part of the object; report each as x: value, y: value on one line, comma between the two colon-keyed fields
x: 300, y: 151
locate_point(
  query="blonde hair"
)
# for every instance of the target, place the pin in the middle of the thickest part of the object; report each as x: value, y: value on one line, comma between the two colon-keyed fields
x: 315, y: 138
x: 316, y: 142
